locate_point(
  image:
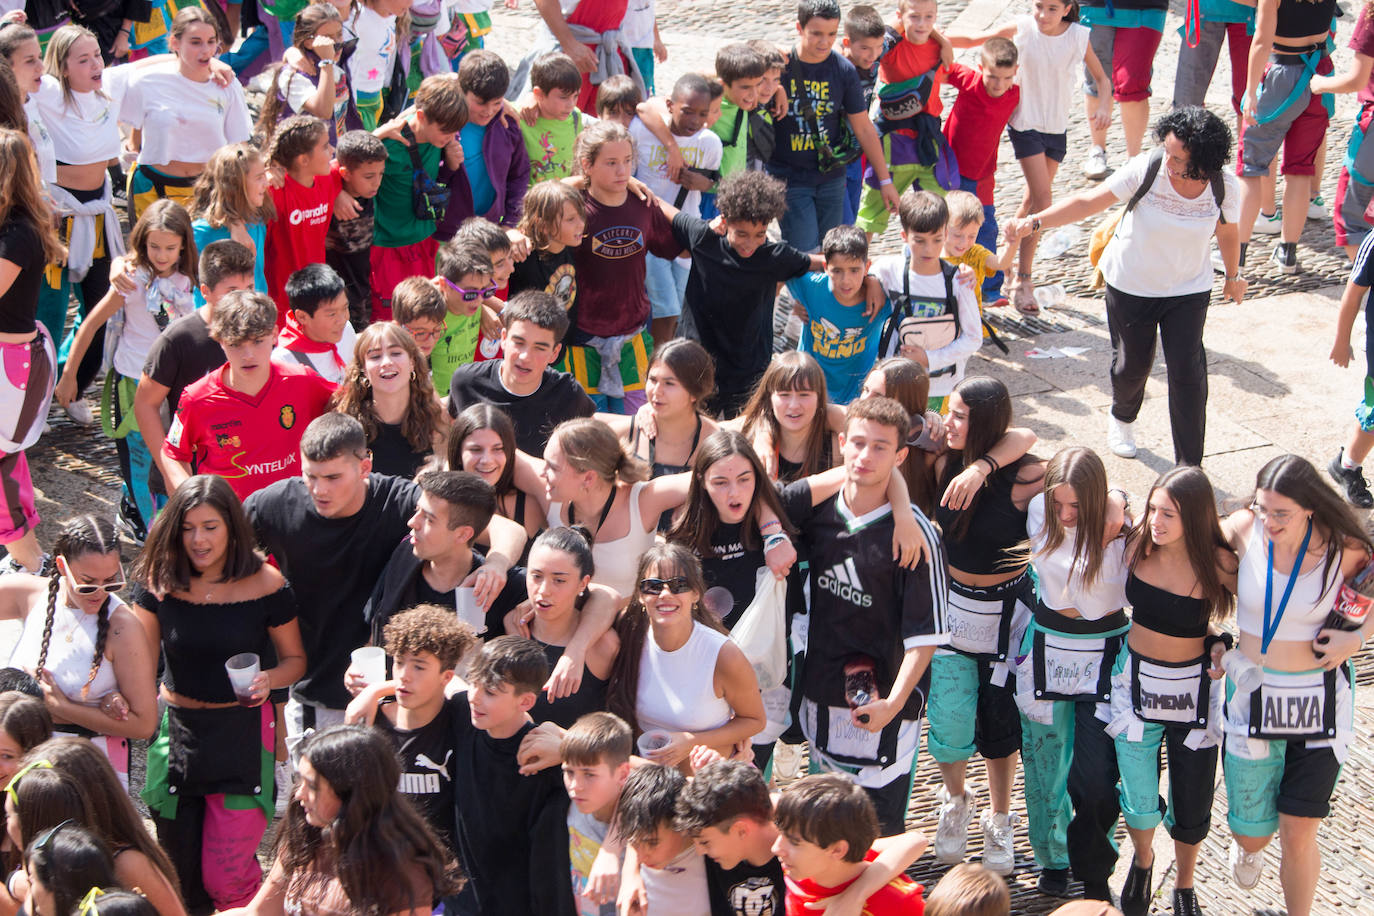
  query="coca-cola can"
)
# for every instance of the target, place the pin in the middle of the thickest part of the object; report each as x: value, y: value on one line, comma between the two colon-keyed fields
x: 1353, y: 606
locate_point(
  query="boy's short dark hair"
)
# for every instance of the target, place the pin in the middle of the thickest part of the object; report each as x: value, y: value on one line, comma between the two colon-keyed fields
x: 597, y: 738
x: 294, y: 137
x: 689, y: 84
x: 357, y: 148
x: 538, y: 308
x: 773, y: 58
x: 512, y: 660
x: 471, y: 500
x: 884, y: 412
x: 714, y: 88
x: 312, y: 286
x: 999, y: 52
x: 720, y: 794
x: 429, y: 628
x: 618, y: 93
x: 482, y: 232
x: 18, y: 679
x: 484, y: 74
x: 333, y: 435
x: 922, y: 211
x: 751, y: 197
x: 415, y: 298
x: 555, y: 70
x: 458, y: 259
x: 863, y: 22
x: 648, y: 801
x: 440, y: 99
x: 826, y: 808
x: 817, y: 9
x: 738, y: 61
x: 225, y: 258
x: 845, y: 241
x: 244, y: 314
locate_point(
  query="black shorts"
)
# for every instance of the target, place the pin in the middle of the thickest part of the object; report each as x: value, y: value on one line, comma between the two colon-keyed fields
x: 1027, y: 143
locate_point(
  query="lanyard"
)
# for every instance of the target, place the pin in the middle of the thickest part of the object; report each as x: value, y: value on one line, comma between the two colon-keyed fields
x: 606, y: 510
x: 1271, y: 627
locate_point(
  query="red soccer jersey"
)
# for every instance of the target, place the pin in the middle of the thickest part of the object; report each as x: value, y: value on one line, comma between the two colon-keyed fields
x: 975, y: 125
x: 899, y: 897
x: 296, y: 237
x: 249, y: 441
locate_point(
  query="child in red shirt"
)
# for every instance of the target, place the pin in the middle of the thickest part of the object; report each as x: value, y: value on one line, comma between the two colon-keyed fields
x: 244, y: 420
x: 987, y: 97
x: 304, y: 202
x: 826, y: 830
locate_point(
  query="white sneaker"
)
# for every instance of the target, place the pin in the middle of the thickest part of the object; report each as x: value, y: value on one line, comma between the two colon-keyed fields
x: 282, y: 773
x: 80, y: 412
x: 1121, y: 437
x: 1269, y: 225
x: 1246, y: 867
x: 1316, y: 208
x: 951, y: 835
x: 1095, y: 166
x: 999, y: 839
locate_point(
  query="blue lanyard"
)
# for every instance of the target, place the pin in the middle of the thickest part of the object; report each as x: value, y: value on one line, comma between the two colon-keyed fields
x: 1271, y: 627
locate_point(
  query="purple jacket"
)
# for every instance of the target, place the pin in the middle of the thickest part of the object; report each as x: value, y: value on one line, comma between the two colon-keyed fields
x: 508, y: 165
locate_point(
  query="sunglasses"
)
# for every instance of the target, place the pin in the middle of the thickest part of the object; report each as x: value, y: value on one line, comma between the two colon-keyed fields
x: 44, y: 838
x: 470, y: 294
x: 86, y: 589
x: 677, y: 585
x: 23, y: 771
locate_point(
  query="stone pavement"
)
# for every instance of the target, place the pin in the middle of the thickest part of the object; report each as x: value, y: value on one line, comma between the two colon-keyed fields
x: 1272, y: 391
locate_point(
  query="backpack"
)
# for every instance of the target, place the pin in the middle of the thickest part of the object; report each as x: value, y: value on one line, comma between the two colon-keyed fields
x: 1105, y: 231
x: 904, y: 328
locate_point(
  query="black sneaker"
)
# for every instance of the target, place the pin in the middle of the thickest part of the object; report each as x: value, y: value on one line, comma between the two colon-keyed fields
x: 1136, y: 892
x: 1185, y: 903
x: 1054, y: 882
x: 1352, y: 482
x: 1285, y: 257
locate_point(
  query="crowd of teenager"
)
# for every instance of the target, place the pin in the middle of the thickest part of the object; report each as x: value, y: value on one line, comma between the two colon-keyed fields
x: 471, y: 529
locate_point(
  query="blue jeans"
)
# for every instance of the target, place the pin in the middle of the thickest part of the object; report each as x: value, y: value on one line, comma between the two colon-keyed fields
x: 666, y: 283
x: 987, y: 237
x: 853, y: 187
x: 812, y: 211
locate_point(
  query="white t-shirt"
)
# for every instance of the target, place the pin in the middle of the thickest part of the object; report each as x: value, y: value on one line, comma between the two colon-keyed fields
x: 1161, y: 247
x: 182, y: 119
x: 41, y: 139
x: 637, y: 28
x: 459, y: 7
x: 702, y: 150
x: 678, y: 888
x: 1047, y: 71
x: 370, y: 66
x: 141, y: 326
x: 84, y: 130
x: 888, y: 270
x: 298, y: 87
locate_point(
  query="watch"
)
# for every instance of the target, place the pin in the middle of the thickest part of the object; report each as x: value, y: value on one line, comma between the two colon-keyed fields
x: 1035, y: 224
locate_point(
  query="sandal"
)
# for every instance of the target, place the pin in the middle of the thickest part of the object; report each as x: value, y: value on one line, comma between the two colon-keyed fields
x: 1024, y: 296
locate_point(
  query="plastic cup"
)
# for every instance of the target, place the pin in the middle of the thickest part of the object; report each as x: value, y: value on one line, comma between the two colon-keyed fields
x: 1242, y: 670
x: 653, y: 740
x: 370, y: 662
x: 242, y: 669
x: 465, y: 604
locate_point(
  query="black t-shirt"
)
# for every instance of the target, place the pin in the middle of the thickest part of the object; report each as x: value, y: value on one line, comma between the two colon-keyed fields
x: 746, y: 889
x: 555, y: 274
x: 590, y: 696
x: 181, y: 355
x: 558, y: 398
x: 393, y: 454
x: 834, y: 91
x: 332, y: 564
x: 427, y: 766
x: 21, y: 245
x: 732, y: 567
x: 729, y: 300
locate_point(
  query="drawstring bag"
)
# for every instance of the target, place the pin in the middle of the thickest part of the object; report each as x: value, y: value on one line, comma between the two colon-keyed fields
x: 761, y: 632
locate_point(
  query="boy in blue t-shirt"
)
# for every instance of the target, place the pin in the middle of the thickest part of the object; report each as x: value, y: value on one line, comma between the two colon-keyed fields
x: 841, y: 332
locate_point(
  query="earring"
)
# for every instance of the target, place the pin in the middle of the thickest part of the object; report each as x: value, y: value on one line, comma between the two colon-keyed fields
x: 367, y: 382
x: 412, y: 375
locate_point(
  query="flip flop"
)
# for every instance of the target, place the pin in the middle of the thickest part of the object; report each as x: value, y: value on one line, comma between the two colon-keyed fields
x: 1024, y: 300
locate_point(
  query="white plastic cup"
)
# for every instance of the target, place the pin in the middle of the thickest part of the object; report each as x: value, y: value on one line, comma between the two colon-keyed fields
x: 370, y: 663
x: 465, y: 604
x: 1243, y: 670
x: 242, y: 669
x: 655, y: 739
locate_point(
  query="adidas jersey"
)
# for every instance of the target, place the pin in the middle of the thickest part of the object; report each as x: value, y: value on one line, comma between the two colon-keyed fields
x: 862, y: 603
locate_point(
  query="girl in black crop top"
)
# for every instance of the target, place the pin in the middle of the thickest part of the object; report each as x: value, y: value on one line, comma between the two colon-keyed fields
x: 482, y: 441
x: 1181, y: 576
x: 205, y: 595
x: 787, y: 421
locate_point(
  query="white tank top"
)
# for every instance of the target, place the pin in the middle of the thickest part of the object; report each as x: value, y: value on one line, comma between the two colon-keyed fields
x: 1059, y: 580
x: 616, y: 561
x: 676, y: 689
x: 70, y: 649
x: 1307, y: 607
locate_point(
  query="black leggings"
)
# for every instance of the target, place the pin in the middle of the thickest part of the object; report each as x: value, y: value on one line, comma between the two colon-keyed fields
x: 1092, y: 789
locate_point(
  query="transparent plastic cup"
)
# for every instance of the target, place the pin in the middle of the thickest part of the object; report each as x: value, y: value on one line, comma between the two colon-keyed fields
x: 370, y: 662
x: 242, y: 669
x: 654, y: 739
x: 1243, y: 670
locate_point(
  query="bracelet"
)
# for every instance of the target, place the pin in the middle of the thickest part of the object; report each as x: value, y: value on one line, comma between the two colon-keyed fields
x: 1232, y: 278
x: 124, y: 31
x: 1035, y: 224
x: 1125, y: 497
x: 884, y: 182
x: 992, y: 463
x: 773, y: 540
x: 769, y: 524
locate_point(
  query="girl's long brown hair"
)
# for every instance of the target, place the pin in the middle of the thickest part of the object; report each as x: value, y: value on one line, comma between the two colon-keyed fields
x: 164, y: 567
x: 908, y: 383
x: 1192, y: 495
x: 22, y: 200
x: 164, y: 216
x: 1081, y: 470
x: 791, y: 371
x: 423, y: 422
x: 700, y: 518
x: 220, y: 195
x: 484, y: 416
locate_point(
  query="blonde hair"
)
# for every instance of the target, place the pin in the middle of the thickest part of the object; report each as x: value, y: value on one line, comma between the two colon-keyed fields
x: 220, y: 194
x: 969, y: 890
x: 590, y: 445
x: 1081, y: 470
x: 543, y: 210
x: 592, y: 139
x: 59, y: 49
x: 964, y: 208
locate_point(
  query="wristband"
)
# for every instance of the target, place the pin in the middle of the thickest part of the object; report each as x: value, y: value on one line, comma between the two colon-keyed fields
x: 993, y: 466
x: 1225, y: 639
x: 773, y: 540
x: 884, y: 182
x: 1233, y: 278
x: 769, y: 524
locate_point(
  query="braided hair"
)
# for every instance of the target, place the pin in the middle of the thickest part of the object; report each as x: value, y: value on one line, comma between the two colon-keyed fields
x: 85, y: 534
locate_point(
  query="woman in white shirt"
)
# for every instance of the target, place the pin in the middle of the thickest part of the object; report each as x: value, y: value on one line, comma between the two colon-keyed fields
x: 1157, y: 269
x: 180, y: 115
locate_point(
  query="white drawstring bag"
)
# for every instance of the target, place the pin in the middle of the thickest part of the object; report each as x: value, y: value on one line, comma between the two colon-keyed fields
x: 761, y: 632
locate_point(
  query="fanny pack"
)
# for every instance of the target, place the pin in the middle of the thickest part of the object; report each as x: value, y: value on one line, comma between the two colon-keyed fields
x: 929, y: 332
x: 428, y: 198
x: 1171, y: 693
x: 1075, y: 668
x: 829, y: 156
x: 1294, y: 708
x: 980, y: 620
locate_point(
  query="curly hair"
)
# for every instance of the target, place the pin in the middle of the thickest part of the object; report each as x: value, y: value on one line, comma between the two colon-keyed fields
x: 751, y: 197
x: 424, y: 420
x: 1205, y: 136
x: 220, y: 194
x: 428, y: 628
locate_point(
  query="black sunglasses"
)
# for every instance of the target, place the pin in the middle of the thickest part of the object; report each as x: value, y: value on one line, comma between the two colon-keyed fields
x: 676, y: 586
